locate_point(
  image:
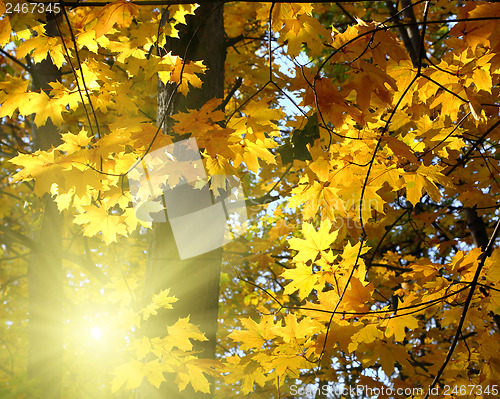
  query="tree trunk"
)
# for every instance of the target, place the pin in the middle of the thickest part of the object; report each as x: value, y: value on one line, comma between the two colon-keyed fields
x: 194, y: 281
x: 45, y: 273
x: 409, y: 34
x: 477, y: 228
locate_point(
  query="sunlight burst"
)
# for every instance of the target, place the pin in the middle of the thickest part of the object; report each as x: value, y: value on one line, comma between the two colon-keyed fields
x: 96, y: 332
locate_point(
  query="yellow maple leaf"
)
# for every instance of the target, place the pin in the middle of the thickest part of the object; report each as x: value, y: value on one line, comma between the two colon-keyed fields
x: 43, y: 107
x: 395, y: 326
x: 425, y: 178
x: 98, y: 220
x: 357, y: 295
x: 5, y: 30
x: 171, y: 68
x: 482, y: 79
x: 195, y: 376
x: 46, y: 167
x: 160, y: 300
x: 298, y: 26
x: 180, y: 334
x: 87, y: 39
x: 164, y: 300
x: 288, y: 365
x: 321, y: 167
x: 253, y: 152
x: 133, y: 372
x: 149, y: 310
x: 142, y: 347
x: 294, y: 331
x: 74, y: 142
x: 314, y: 242
x: 13, y: 95
x: 195, y: 121
x: 303, y: 280
x: 401, y: 149
x: 389, y: 354
x: 492, y: 267
x: 367, y: 334
x: 153, y: 371
x: 351, y: 253
x: 119, y: 12
x: 179, y: 12
x: 130, y: 373
x: 42, y: 45
x: 255, y: 334
x: 80, y: 179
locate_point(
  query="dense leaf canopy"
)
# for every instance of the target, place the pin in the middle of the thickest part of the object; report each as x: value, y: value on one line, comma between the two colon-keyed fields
x: 365, y: 135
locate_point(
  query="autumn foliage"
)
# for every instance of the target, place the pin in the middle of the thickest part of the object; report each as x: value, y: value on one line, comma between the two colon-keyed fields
x: 365, y: 135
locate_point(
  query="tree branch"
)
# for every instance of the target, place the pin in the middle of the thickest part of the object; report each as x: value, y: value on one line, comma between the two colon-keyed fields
x: 473, y: 285
x: 235, y: 87
x: 15, y: 60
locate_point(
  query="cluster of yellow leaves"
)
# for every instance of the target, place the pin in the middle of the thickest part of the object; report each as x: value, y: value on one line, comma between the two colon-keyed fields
x: 173, y: 353
x: 173, y: 69
x: 385, y: 133
x: 387, y: 137
x: 70, y: 172
x: 86, y: 171
x: 296, y: 24
x: 253, y: 134
x: 281, y: 346
x: 15, y: 96
x: 287, y: 346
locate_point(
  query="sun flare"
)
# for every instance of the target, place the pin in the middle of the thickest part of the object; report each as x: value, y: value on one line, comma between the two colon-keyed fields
x: 96, y: 332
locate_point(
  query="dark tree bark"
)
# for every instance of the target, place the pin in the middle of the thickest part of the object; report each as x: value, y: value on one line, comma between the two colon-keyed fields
x: 45, y: 273
x: 410, y: 35
x: 194, y: 281
x: 477, y: 228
